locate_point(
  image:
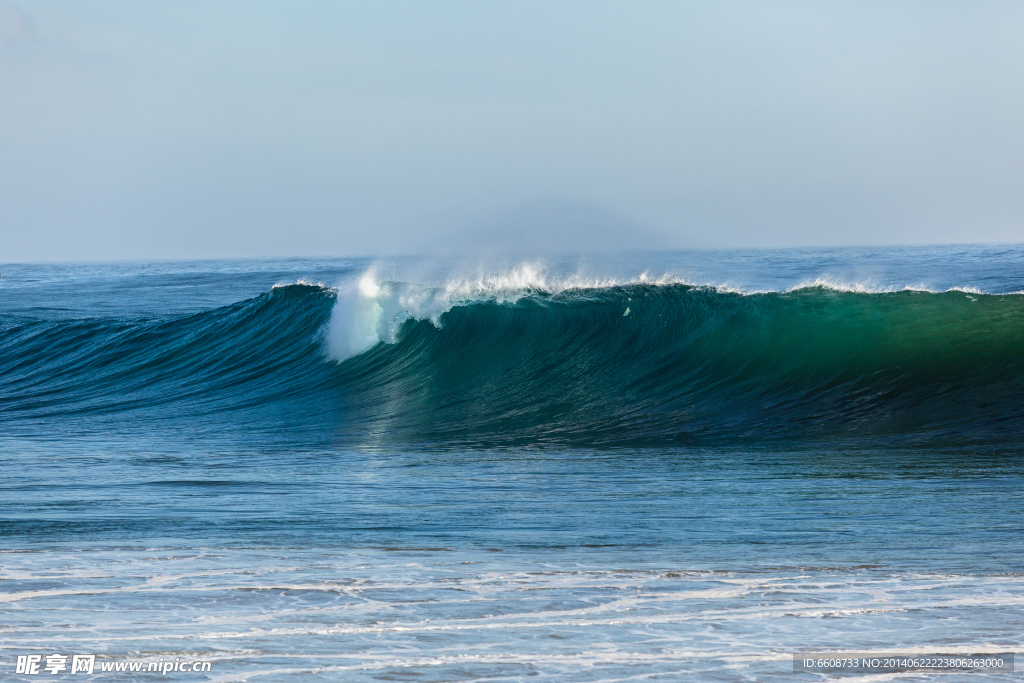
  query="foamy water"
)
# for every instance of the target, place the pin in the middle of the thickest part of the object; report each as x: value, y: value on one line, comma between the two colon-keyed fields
x: 278, y: 613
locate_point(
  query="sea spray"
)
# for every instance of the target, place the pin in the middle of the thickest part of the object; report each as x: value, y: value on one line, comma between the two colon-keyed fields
x: 369, y: 310
x: 356, y: 320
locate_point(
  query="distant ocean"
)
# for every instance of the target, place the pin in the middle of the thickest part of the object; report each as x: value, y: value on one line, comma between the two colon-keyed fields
x: 632, y: 467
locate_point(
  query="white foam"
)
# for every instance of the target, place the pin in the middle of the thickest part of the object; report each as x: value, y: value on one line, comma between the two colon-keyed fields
x: 372, y: 310
x: 261, y: 613
x: 869, y: 287
x: 356, y: 320
x: 300, y: 281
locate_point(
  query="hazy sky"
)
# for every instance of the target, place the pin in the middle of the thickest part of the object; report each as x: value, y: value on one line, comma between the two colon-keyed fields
x: 209, y: 129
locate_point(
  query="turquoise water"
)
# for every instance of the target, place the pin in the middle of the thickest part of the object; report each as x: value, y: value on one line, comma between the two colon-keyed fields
x: 388, y: 470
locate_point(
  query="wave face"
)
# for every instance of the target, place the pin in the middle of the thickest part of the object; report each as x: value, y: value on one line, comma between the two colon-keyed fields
x: 262, y: 351
x: 632, y: 364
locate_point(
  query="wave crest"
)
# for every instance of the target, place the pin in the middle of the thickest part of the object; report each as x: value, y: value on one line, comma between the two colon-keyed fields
x: 370, y: 310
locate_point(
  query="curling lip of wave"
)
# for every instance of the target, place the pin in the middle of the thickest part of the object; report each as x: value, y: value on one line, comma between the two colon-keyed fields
x: 372, y: 311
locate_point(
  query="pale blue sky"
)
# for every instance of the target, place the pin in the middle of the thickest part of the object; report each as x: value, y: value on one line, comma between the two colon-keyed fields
x: 212, y: 129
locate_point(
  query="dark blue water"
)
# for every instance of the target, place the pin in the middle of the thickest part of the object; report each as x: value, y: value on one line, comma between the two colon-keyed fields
x: 682, y: 466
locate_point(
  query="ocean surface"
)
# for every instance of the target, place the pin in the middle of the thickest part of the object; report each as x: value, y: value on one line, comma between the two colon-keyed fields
x: 681, y: 466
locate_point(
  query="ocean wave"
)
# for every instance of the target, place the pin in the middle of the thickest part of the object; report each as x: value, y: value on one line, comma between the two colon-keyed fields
x: 524, y: 357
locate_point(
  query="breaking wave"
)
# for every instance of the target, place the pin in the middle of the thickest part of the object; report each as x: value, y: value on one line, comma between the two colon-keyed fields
x: 524, y: 359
